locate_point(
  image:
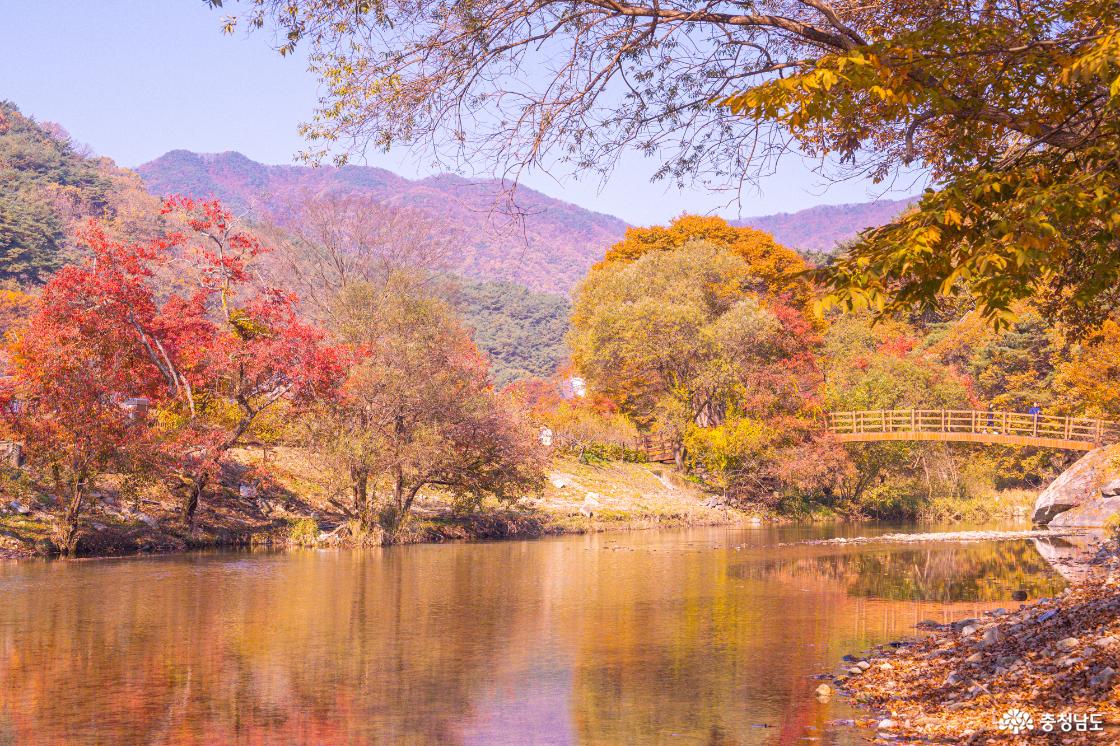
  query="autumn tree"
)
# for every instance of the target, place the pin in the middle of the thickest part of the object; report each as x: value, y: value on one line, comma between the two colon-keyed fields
x: 209, y: 361
x: 776, y: 269
x: 1088, y: 382
x: 1010, y: 107
x: 417, y: 411
x: 881, y: 367
x: 230, y: 352
x: 331, y: 241
x: 682, y: 344
x: 74, y: 364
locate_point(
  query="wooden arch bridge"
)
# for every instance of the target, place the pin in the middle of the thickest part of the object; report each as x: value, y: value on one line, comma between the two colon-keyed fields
x: 973, y: 426
x: 948, y: 425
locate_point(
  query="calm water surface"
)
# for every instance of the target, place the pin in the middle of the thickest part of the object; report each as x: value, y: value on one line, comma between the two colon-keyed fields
x: 702, y: 636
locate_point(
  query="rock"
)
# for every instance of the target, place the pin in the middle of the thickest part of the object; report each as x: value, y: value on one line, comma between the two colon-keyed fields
x: 975, y: 658
x: 1008, y: 661
x: 992, y: 636
x: 591, y: 499
x: 1075, y: 497
x: 824, y: 690
x: 11, y: 454
x: 1112, y: 489
x: 1047, y: 615
x: 886, y: 666
x: 1019, y: 595
x: 19, y: 507
x: 969, y: 630
x: 147, y: 520
x: 1107, y: 641
x: 928, y: 624
x: 958, y: 626
x: 887, y: 724
x: 863, y: 665
x: 998, y: 612
x: 953, y: 679
x: 855, y: 671
x: 1103, y: 677
x: 559, y: 483
x: 1067, y: 644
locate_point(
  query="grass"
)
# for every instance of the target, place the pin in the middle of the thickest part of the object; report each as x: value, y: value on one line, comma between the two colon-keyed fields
x: 303, y: 531
x: 1012, y: 503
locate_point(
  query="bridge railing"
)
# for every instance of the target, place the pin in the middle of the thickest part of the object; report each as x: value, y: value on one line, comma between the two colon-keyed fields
x: 980, y: 422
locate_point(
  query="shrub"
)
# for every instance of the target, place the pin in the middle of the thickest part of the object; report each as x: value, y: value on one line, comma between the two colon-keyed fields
x: 303, y: 531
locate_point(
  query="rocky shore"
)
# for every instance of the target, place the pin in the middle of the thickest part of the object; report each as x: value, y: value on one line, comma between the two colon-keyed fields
x: 1046, y: 672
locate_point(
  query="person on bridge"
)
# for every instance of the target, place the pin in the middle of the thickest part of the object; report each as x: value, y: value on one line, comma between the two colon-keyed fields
x: 991, y: 420
x: 1034, y: 412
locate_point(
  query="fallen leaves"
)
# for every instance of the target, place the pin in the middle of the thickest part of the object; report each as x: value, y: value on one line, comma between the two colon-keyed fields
x: 1055, y: 656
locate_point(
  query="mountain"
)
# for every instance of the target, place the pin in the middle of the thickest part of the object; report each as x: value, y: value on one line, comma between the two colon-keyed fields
x: 49, y: 186
x: 821, y: 228
x: 550, y: 249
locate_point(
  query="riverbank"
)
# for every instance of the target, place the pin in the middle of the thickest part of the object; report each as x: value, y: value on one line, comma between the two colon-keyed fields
x: 283, y: 498
x: 1057, y: 660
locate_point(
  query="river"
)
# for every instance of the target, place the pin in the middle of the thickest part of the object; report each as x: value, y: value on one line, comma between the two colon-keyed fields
x: 693, y: 636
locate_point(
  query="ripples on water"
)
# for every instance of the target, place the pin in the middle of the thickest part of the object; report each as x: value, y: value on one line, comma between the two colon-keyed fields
x: 702, y: 636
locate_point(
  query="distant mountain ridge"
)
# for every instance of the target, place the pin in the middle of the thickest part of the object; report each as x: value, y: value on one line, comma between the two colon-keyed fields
x: 823, y: 227
x: 550, y: 249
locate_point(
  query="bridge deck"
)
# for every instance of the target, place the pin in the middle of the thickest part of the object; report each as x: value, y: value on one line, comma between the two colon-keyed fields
x: 973, y: 426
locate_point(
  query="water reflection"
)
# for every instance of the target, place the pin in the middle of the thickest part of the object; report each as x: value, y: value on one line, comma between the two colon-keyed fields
x: 704, y: 636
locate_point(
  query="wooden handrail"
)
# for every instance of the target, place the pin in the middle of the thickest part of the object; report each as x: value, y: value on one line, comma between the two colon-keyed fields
x: 986, y: 425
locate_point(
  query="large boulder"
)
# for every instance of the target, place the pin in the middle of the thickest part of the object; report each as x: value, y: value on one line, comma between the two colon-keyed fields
x: 1075, y: 498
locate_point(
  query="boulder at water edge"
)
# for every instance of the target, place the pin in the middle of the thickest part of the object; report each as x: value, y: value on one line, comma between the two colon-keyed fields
x: 1075, y: 498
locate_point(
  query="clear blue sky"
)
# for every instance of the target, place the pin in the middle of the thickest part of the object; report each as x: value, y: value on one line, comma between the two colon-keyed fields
x: 136, y: 78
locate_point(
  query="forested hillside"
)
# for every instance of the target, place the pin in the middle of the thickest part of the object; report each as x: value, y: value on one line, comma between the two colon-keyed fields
x: 49, y: 185
x: 548, y: 247
x: 521, y: 331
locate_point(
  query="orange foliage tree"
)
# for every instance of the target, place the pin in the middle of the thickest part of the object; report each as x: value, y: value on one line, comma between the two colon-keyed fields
x: 777, y: 268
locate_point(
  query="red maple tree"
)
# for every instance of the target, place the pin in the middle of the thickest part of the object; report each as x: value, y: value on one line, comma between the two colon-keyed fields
x: 178, y: 322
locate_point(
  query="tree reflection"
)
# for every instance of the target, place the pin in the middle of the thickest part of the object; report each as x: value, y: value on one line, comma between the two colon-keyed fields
x: 643, y: 637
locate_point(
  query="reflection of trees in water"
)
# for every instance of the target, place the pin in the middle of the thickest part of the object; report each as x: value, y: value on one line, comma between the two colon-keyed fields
x: 328, y: 649
x: 946, y: 572
x: 461, y: 642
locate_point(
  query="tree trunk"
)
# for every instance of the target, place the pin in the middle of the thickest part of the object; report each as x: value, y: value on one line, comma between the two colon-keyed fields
x: 71, y: 528
x: 192, y: 494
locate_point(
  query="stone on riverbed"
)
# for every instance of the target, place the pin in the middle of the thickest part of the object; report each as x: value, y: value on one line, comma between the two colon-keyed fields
x: 1102, y: 677
x: 824, y: 690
